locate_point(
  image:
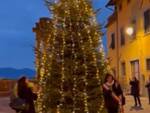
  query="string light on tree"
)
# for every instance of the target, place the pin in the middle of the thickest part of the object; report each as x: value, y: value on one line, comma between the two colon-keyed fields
x: 71, y: 68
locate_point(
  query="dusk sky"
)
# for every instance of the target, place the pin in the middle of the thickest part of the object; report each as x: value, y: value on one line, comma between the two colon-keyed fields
x: 17, y: 18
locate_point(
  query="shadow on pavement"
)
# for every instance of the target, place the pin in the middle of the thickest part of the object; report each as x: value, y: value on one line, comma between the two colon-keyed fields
x: 136, y: 108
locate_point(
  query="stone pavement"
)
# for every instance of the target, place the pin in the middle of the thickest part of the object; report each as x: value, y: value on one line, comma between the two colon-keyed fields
x: 4, y: 106
x: 130, y: 103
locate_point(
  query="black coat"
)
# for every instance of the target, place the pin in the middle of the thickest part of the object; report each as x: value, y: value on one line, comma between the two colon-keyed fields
x: 29, y: 96
x: 119, y: 92
x: 110, y: 101
x: 148, y: 87
x: 135, y: 88
x: 117, y: 89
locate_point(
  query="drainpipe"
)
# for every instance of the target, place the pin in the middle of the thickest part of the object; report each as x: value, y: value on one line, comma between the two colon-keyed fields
x: 117, y: 43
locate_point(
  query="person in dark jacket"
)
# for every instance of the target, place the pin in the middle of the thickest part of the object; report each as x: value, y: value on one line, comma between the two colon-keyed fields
x: 119, y: 93
x: 25, y: 92
x: 112, y: 101
x: 148, y: 88
x: 135, y: 91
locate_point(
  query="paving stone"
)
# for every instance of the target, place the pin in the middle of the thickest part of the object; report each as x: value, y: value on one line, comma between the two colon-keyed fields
x: 4, y: 106
x: 129, y: 107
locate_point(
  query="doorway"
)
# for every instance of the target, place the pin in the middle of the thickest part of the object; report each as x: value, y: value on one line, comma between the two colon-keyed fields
x: 135, y: 70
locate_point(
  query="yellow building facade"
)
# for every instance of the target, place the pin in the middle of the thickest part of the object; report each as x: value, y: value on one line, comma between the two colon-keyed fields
x: 128, y: 40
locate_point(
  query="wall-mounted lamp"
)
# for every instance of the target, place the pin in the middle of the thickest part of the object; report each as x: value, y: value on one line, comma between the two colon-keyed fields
x: 130, y: 30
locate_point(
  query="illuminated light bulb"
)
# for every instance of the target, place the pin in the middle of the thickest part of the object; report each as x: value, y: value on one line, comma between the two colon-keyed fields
x: 130, y: 31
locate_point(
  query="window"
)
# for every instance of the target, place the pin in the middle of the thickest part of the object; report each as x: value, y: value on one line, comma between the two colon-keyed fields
x: 147, y: 21
x: 120, y: 7
x: 123, y: 68
x: 128, y: 1
x: 112, y: 44
x: 135, y: 70
x: 122, y: 37
x: 114, y: 72
x: 148, y: 63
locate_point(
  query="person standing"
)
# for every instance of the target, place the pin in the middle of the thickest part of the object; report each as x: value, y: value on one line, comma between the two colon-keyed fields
x: 148, y: 88
x: 26, y: 93
x: 112, y: 101
x: 135, y: 91
x: 119, y: 93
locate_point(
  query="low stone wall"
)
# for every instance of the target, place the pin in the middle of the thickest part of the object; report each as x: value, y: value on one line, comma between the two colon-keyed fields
x: 6, y: 87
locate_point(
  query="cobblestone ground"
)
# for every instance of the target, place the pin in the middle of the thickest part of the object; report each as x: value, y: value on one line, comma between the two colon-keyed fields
x: 130, y: 103
x: 4, y: 106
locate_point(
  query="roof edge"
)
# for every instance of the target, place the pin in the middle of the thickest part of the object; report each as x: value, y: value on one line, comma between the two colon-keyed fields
x: 111, y: 3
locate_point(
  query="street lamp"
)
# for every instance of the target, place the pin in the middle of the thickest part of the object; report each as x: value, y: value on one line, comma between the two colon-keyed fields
x: 130, y: 30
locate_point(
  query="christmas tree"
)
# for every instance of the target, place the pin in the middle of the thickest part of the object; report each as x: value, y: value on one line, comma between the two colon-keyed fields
x: 70, y: 60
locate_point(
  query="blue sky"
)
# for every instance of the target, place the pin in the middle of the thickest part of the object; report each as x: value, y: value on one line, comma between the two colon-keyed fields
x: 17, y: 18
